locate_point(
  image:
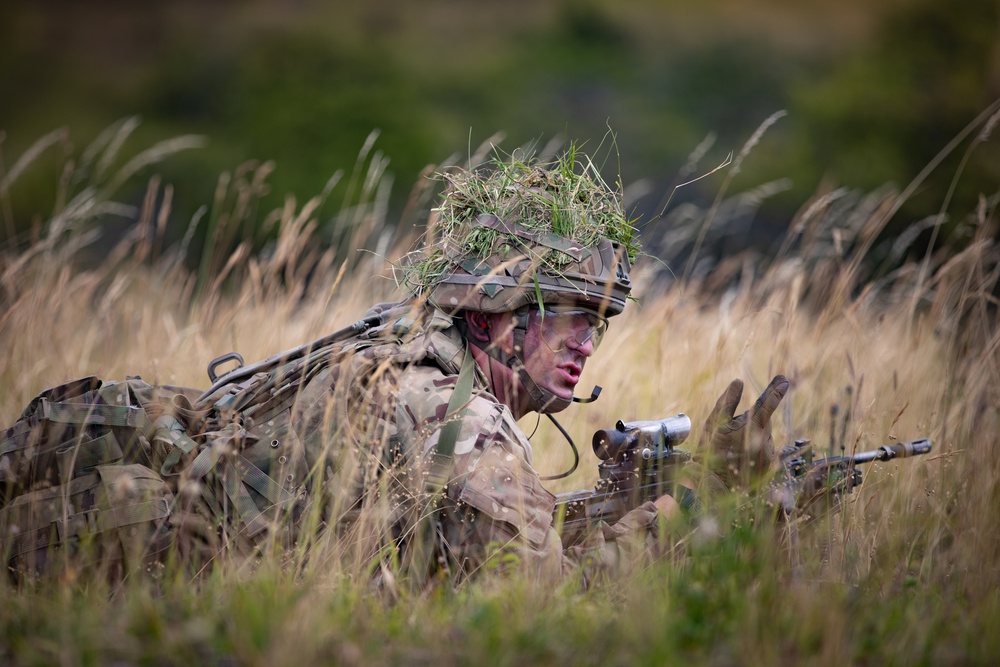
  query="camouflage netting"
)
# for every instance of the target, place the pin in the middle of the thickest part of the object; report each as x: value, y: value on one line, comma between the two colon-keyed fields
x: 566, y: 197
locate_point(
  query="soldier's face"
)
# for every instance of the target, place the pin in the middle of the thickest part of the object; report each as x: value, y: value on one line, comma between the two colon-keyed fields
x: 557, y: 346
x: 554, y: 355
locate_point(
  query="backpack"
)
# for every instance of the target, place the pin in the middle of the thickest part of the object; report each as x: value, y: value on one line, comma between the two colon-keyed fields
x: 124, y: 473
x: 76, y: 473
x: 136, y: 472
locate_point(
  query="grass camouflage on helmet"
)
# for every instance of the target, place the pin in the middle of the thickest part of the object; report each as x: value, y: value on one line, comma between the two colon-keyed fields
x: 517, y: 232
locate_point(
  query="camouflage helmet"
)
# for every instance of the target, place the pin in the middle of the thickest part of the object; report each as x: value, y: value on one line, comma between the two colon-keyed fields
x: 514, y: 233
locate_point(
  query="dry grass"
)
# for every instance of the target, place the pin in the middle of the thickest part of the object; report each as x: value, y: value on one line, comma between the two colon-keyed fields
x: 892, y: 575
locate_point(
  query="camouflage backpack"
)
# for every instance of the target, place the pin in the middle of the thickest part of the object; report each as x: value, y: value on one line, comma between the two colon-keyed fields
x: 135, y: 472
x: 76, y: 472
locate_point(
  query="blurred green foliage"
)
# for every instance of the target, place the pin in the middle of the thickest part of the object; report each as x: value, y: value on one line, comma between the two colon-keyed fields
x: 873, y: 89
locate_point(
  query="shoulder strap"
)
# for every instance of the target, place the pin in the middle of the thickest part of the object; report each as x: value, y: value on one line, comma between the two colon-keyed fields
x: 441, y: 459
x: 420, y: 552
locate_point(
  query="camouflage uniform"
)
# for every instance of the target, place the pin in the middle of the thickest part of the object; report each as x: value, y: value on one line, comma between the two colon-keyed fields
x: 357, y: 419
x: 371, y: 422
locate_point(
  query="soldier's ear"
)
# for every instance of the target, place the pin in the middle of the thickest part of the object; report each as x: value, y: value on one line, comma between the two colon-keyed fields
x: 478, y: 325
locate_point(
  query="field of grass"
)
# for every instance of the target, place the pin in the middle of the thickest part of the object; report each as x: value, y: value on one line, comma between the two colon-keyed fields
x: 906, y: 573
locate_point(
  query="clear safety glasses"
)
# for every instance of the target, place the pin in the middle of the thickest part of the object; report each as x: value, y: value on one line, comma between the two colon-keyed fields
x: 572, y: 325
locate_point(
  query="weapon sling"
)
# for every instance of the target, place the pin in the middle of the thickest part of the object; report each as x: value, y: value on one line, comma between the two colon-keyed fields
x: 439, y: 471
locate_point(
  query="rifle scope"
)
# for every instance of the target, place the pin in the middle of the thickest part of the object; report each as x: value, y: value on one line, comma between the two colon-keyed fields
x: 649, y: 438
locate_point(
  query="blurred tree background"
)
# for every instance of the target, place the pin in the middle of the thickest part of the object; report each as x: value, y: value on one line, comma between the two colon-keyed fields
x: 873, y: 89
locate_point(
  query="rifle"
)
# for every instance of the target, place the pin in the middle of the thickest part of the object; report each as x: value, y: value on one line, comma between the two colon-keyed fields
x: 834, y: 476
x: 640, y: 461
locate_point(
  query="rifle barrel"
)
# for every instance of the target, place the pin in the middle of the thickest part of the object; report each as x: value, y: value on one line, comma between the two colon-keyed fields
x: 900, y: 450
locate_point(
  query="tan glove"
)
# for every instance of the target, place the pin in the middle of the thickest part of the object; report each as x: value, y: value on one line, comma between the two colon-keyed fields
x: 823, y: 489
x: 741, y: 447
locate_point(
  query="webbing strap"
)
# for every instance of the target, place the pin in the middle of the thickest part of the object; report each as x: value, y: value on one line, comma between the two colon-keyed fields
x: 572, y: 248
x: 96, y: 520
x: 72, y: 413
x: 421, y: 549
x: 439, y: 466
x: 253, y: 521
x: 84, y: 456
x: 233, y: 476
x: 89, y: 522
x: 236, y: 397
x: 31, y: 540
x: 263, y: 484
x: 206, y: 460
x: 170, y: 431
x: 17, y: 436
x: 92, y: 413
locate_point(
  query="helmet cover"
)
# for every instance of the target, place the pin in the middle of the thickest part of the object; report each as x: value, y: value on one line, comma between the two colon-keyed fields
x: 515, y: 233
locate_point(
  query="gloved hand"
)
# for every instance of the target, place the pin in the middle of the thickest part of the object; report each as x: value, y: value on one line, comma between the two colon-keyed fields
x: 741, y: 448
x: 824, y: 487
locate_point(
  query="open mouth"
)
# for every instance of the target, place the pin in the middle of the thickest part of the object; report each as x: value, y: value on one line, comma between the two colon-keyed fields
x: 571, y: 372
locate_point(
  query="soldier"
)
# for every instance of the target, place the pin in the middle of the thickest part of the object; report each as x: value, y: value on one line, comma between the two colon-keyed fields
x: 398, y: 435
x: 414, y: 428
